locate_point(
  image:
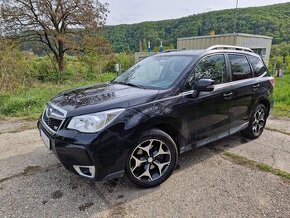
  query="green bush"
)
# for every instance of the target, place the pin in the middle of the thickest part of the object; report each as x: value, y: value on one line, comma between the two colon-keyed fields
x: 282, y: 96
x: 29, y: 101
x: 42, y: 69
x: 279, y: 64
x: 13, y: 67
x: 126, y: 61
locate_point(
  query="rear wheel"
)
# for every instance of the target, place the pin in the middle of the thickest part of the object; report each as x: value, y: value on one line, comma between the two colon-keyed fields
x: 257, y: 123
x: 152, y: 160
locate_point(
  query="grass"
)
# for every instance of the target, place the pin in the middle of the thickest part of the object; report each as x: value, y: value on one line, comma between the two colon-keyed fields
x: 282, y: 96
x: 29, y: 102
x: 256, y: 165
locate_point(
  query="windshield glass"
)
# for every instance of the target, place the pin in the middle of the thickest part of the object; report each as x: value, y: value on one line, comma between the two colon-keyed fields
x: 155, y: 71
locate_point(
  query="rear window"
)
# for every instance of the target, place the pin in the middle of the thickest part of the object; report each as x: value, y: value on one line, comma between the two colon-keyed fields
x: 240, y: 67
x: 258, y: 66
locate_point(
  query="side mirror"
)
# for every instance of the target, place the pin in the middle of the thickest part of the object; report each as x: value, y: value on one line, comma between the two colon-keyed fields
x: 204, y: 85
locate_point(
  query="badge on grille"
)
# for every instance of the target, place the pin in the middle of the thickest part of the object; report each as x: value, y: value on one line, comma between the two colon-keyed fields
x: 49, y: 112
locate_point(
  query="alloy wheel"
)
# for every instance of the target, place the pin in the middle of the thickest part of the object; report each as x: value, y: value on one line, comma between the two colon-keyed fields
x: 150, y: 160
x: 259, y: 122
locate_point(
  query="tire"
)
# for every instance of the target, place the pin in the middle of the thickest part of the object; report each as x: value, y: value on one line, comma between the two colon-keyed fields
x: 257, y: 122
x: 152, y: 159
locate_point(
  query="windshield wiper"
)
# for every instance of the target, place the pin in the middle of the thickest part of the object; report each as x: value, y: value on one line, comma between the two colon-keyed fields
x: 130, y: 84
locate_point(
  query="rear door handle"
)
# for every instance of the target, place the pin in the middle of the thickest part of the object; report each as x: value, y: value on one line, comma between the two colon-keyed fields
x: 228, y: 96
x: 256, y: 86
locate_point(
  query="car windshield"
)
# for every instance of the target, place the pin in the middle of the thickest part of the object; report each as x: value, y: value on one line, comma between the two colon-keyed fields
x: 155, y: 72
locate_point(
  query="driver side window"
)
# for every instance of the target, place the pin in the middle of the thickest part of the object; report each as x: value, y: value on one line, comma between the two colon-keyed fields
x: 210, y: 67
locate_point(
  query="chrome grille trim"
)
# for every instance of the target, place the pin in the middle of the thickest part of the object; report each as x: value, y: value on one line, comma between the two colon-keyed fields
x: 52, y: 111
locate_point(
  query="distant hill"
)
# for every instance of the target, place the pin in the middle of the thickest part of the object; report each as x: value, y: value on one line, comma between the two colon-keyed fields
x: 272, y: 20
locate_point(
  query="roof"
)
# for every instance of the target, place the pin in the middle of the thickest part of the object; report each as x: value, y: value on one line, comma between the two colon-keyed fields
x: 183, y: 52
x: 203, y: 52
x: 228, y: 35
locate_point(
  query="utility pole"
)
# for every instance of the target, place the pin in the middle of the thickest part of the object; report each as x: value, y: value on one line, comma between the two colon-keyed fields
x: 236, y: 16
x: 0, y: 18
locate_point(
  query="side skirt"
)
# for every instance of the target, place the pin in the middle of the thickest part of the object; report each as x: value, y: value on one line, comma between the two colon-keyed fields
x: 115, y: 175
x: 213, y: 138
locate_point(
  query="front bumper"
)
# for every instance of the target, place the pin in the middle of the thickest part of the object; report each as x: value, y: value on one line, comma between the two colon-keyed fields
x: 99, y: 156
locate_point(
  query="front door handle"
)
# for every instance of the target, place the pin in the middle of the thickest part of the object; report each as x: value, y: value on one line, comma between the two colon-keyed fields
x: 228, y: 96
x: 256, y: 86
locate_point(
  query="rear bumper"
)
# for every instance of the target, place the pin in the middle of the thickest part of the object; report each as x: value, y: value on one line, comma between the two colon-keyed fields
x: 100, y: 156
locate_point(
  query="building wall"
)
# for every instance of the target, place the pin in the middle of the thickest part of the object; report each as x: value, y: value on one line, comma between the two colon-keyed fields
x: 256, y: 42
x: 204, y: 42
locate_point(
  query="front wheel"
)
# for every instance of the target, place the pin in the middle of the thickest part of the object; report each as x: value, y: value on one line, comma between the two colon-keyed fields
x: 257, y: 123
x: 152, y: 160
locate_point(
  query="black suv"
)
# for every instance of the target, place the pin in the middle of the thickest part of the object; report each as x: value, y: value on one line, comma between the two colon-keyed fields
x: 164, y: 105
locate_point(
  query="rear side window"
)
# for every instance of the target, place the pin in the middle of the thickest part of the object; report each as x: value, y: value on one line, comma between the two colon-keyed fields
x: 240, y: 67
x: 210, y: 67
x: 258, y: 66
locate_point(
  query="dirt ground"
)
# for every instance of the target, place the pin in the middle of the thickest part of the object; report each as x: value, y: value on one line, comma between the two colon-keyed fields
x: 206, y: 183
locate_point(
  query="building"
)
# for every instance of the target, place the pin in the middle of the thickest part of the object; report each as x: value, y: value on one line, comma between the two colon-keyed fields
x: 259, y: 44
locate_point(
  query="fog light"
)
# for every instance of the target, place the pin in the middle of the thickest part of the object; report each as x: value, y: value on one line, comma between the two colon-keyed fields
x: 85, y: 171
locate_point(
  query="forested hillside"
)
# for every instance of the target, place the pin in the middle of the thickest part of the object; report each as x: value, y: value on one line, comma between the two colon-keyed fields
x: 273, y: 20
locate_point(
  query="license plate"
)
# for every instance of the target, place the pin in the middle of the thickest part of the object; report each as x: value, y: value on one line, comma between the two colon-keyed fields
x: 45, y: 139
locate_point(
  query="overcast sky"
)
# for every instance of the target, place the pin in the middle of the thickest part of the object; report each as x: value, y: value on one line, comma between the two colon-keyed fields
x: 135, y: 11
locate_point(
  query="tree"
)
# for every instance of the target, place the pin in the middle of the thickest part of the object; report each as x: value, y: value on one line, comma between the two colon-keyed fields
x: 282, y: 49
x: 59, y: 26
x: 279, y: 54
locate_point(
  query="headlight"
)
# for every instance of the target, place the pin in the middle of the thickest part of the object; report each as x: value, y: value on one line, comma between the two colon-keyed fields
x: 91, y: 123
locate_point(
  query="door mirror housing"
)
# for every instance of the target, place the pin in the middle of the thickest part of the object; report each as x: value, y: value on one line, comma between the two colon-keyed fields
x: 204, y: 85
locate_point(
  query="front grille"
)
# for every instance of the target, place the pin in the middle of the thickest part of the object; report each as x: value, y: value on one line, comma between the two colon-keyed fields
x: 53, y: 118
x: 52, y: 123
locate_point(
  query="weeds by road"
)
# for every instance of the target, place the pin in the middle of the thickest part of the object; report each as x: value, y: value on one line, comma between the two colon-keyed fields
x: 282, y: 96
x: 28, y: 102
x: 256, y: 165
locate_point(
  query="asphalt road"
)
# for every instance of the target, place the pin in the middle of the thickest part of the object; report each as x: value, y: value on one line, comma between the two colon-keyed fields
x: 206, y: 184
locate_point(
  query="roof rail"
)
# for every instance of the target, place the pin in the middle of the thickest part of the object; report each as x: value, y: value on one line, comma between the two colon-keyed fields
x: 230, y: 47
x: 171, y: 50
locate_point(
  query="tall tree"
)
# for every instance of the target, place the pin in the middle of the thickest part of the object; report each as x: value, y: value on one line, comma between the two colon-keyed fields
x: 58, y: 25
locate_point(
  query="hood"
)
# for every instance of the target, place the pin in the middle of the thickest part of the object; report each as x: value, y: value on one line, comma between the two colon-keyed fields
x: 100, y: 97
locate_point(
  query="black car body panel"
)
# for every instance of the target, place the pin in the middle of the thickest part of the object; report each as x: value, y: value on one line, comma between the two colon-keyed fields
x: 191, y: 118
x: 101, y: 97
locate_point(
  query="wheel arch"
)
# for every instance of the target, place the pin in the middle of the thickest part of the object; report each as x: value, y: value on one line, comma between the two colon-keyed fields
x: 168, y: 125
x: 171, y: 131
x: 266, y: 103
